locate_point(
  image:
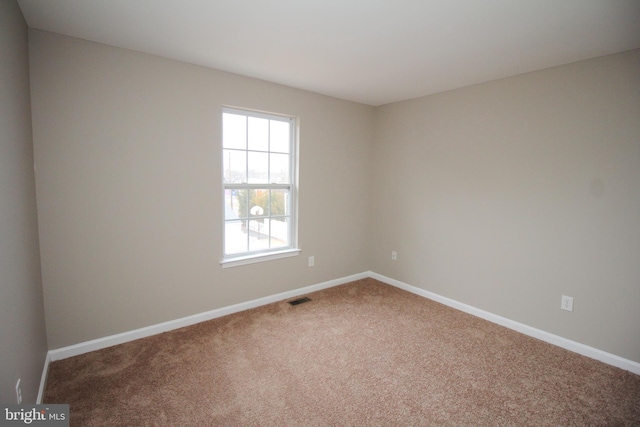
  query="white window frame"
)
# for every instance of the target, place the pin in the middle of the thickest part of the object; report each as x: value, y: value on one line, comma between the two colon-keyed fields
x: 250, y: 257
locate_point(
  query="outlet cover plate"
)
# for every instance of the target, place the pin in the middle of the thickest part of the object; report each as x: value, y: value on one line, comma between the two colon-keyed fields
x: 566, y: 303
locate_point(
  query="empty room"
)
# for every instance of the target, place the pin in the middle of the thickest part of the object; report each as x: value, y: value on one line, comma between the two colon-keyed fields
x: 320, y: 213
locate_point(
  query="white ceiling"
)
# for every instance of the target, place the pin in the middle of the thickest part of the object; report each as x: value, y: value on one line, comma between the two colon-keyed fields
x: 369, y: 51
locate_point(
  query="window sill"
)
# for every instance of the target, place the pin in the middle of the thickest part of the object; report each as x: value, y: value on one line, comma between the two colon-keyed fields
x: 254, y: 258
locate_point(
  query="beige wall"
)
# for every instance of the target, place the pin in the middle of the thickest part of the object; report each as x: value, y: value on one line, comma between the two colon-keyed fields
x: 504, y: 195
x: 508, y: 194
x: 129, y: 193
x: 23, y: 344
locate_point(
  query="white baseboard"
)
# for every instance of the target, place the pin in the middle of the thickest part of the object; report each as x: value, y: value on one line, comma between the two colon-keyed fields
x: 576, y: 347
x: 43, y: 378
x: 100, y: 343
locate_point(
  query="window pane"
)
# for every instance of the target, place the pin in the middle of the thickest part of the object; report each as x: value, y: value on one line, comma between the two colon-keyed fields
x: 279, y: 202
x: 259, y: 202
x: 258, y: 134
x: 279, y: 232
x: 235, y: 237
x: 279, y: 169
x: 258, y: 167
x: 258, y: 234
x: 280, y: 138
x: 235, y: 166
x: 234, y: 131
x: 235, y: 204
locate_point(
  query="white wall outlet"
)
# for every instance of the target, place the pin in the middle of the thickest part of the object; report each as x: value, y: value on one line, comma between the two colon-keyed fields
x: 19, y: 391
x: 394, y: 255
x: 566, y: 303
x: 312, y: 261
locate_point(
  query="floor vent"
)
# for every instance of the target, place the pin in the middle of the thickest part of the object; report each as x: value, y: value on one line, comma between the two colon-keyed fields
x: 299, y: 301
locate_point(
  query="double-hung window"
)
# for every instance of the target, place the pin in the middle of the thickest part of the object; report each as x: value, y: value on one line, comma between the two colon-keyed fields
x: 259, y: 180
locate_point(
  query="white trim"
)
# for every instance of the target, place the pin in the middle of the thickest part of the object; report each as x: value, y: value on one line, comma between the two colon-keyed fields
x: 241, y: 111
x: 250, y: 259
x: 576, y: 347
x: 100, y: 343
x: 43, y: 378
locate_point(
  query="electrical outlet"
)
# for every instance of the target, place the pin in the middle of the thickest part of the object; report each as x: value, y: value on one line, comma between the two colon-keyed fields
x: 312, y: 261
x: 394, y: 255
x: 566, y: 303
x: 19, y: 391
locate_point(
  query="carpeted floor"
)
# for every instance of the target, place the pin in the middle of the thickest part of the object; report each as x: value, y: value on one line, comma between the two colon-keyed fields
x: 364, y: 353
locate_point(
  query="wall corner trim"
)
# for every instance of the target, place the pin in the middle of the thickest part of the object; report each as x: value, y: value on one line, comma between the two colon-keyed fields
x: 573, y: 346
x: 43, y: 378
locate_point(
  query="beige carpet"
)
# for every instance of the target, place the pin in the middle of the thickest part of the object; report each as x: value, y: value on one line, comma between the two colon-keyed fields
x: 363, y: 353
